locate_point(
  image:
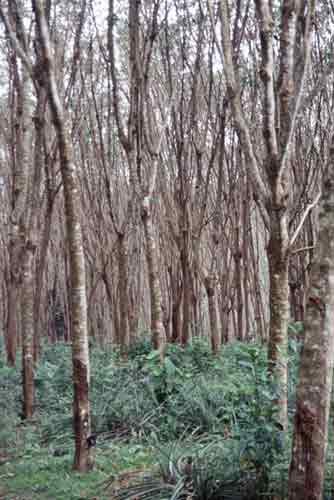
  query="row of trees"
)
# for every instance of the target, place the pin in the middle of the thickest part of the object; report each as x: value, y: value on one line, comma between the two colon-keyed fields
x: 185, y: 145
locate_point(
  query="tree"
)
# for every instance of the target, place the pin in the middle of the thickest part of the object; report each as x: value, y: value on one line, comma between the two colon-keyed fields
x: 20, y: 171
x: 269, y: 166
x: 80, y: 354
x: 306, y: 475
x: 139, y: 135
x: 26, y: 194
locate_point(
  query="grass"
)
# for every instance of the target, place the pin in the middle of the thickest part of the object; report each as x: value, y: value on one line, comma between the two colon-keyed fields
x: 37, y: 474
x: 218, y: 410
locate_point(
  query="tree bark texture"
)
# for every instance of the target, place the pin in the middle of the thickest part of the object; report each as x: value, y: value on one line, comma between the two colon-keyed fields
x: 124, y: 293
x: 28, y: 326
x: 78, y: 311
x: 279, y: 310
x: 157, y: 327
x: 210, y: 286
x: 306, y: 475
x: 21, y: 162
x: 270, y: 177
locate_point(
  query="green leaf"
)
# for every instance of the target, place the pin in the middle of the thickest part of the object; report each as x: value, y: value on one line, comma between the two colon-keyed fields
x: 170, y: 367
x: 156, y: 371
x: 153, y: 355
x: 246, y: 364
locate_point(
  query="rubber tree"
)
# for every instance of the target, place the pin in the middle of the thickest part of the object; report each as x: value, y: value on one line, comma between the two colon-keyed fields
x: 79, y: 334
x: 306, y: 475
x: 27, y: 169
x: 136, y: 139
x: 29, y: 261
x: 21, y: 162
x: 268, y: 161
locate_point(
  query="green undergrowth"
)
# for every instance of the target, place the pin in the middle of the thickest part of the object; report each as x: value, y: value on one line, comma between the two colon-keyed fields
x: 197, y: 425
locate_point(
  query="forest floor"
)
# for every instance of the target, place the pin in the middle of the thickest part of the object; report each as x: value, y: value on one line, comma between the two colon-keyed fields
x: 215, y: 413
x: 38, y: 474
x: 36, y: 458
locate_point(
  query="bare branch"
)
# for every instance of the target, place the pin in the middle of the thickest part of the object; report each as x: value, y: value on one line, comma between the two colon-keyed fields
x: 233, y: 92
x: 17, y: 46
x: 115, y: 89
x: 154, y: 150
x: 286, y: 83
x: 302, y: 220
x: 302, y: 249
x: 267, y: 75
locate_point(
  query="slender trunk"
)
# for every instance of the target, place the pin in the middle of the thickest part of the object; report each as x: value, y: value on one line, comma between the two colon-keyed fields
x: 176, y: 300
x: 28, y: 325
x: 117, y: 328
x: 136, y: 293
x: 66, y: 295
x: 196, y: 303
x: 226, y: 335
x: 158, y: 332
x: 78, y: 309
x: 123, y: 291
x: 21, y: 162
x: 279, y: 310
x: 28, y: 264
x: 176, y: 322
x: 113, y: 306
x: 239, y: 295
x: 210, y: 284
x: 306, y: 475
x: 11, y: 330
x: 245, y: 259
x: 167, y: 316
x: 257, y: 298
x: 186, y: 332
x: 45, y: 239
x: 134, y: 314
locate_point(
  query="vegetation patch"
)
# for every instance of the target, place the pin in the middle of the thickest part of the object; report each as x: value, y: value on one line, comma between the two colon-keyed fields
x: 197, y: 425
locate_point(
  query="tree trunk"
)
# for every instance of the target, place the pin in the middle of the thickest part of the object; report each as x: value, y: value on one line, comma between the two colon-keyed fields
x: 134, y: 316
x: 279, y: 310
x: 78, y: 305
x: 123, y: 291
x: 176, y: 301
x: 210, y: 284
x: 157, y: 327
x: 306, y: 475
x: 176, y: 322
x: 21, y: 162
x: 11, y: 330
x: 186, y: 283
x: 239, y: 295
x: 28, y: 269
x: 41, y: 264
x: 28, y: 325
x: 186, y: 257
